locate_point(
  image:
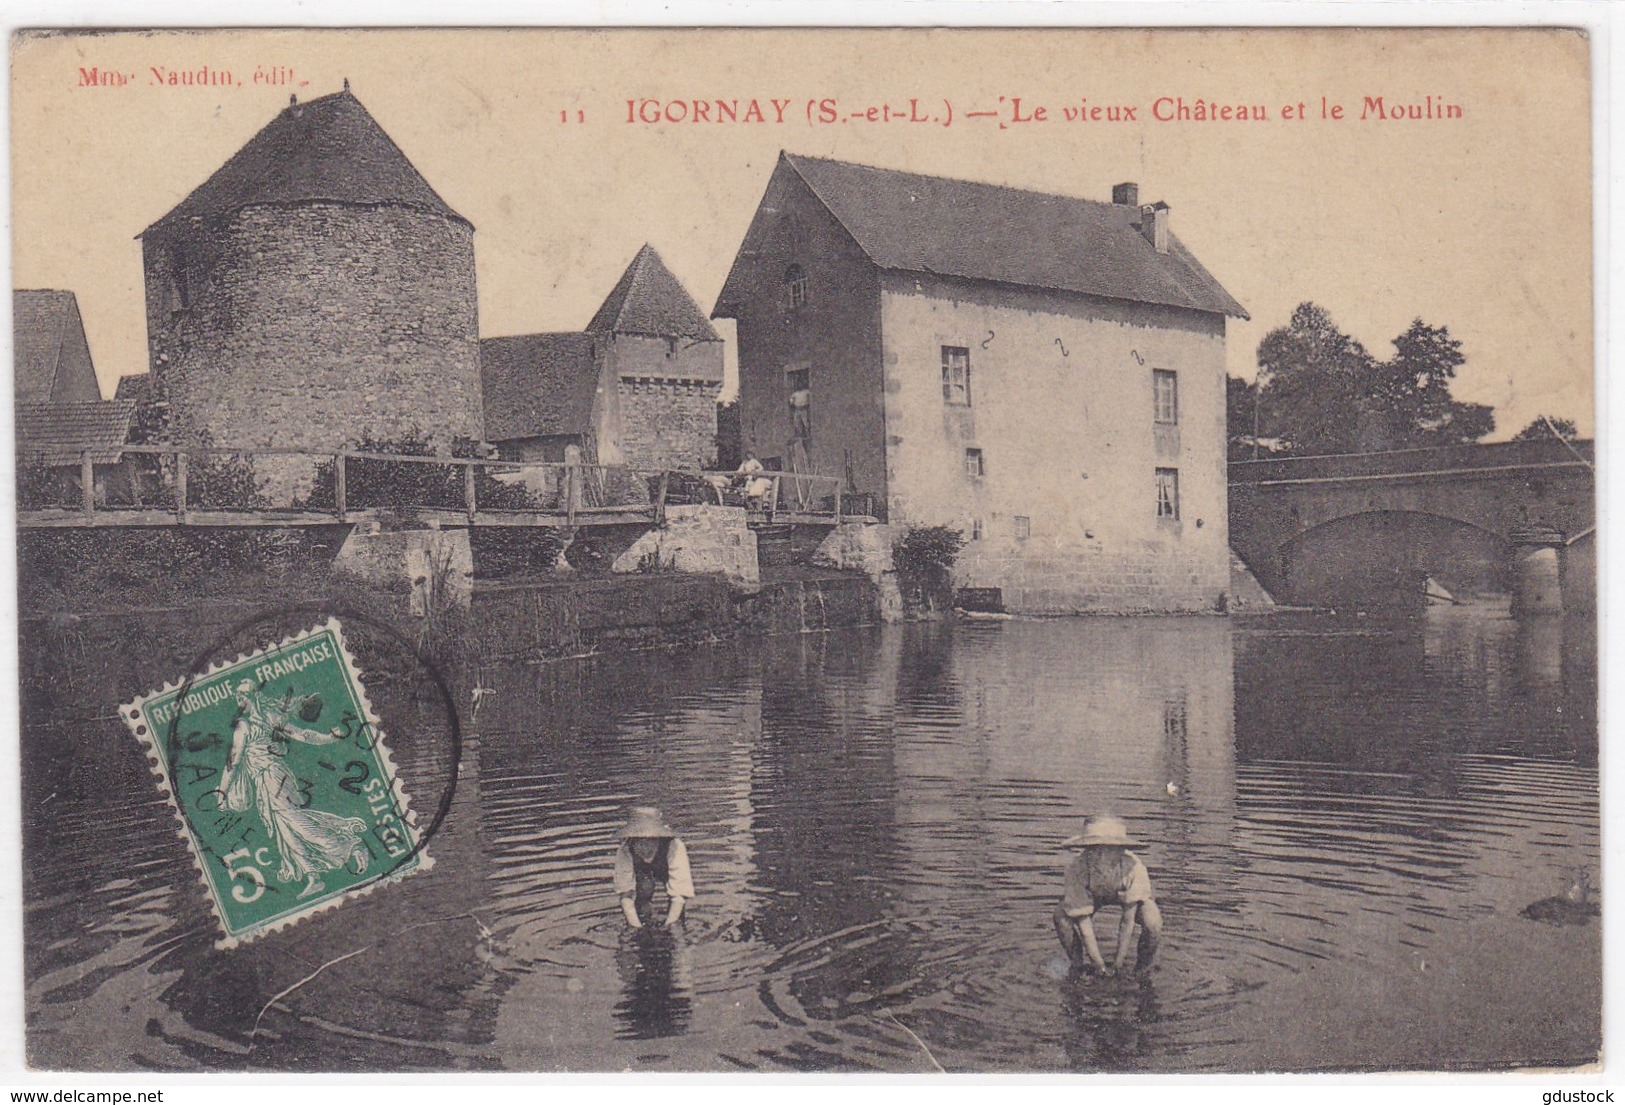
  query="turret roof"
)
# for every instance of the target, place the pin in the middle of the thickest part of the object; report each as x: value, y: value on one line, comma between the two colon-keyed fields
x: 648, y: 299
x: 327, y: 150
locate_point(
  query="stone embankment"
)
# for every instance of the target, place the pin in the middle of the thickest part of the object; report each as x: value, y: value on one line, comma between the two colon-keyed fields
x: 540, y: 620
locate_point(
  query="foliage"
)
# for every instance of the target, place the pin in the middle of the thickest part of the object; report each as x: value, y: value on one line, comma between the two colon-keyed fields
x: 1241, y: 412
x: 219, y: 481
x: 1310, y: 373
x: 409, y: 486
x: 925, y: 559
x: 729, y: 450
x: 54, y: 566
x: 40, y: 485
x: 1546, y: 428
x: 1409, y: 395
x: 1321, y: 391
x: 502, y: 552
x: 650, y: 563
x: 214, y: 481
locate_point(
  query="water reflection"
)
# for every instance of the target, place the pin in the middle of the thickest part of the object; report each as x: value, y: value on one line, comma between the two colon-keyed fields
x: 657, y: 975
x: 1109, y: 1021
x: 1540, y: 653
x: 874, y: 821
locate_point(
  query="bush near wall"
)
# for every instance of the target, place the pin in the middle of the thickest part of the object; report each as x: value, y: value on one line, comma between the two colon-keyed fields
x: 371, y: 484
x: 407, y: 487
x: 218, y: 481
x: 925, y: 559
x: 41, y: 486
x: 65, y: 569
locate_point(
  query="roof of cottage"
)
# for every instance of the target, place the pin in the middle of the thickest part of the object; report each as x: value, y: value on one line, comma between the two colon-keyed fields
x: 648, y: 299
x: 327, y: 150
x: 59, y: 433
x: 538, y: 385
x: 961, y: 228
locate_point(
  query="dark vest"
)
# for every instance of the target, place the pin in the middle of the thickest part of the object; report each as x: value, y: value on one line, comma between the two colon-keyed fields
x: 652, y: 875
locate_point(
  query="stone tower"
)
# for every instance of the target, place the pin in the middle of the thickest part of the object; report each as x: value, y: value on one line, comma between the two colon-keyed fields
x: 313, y: 291
x: 666, y: 360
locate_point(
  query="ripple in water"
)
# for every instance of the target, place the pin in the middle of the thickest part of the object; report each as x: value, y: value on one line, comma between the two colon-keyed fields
x: 874, y: 820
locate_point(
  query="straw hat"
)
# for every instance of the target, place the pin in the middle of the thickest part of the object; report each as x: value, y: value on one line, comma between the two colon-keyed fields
x: 646, y: 821
x: 1102, y: 829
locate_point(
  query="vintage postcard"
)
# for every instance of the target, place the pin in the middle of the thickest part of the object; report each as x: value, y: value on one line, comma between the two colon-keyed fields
x: 886, y: 550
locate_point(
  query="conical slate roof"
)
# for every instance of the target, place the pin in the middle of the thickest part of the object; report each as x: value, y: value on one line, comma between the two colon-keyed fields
x: 327, y: 150
x: 649, y: 300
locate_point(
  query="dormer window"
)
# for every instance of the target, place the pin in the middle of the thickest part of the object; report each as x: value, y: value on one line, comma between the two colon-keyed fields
x: 795, y: 287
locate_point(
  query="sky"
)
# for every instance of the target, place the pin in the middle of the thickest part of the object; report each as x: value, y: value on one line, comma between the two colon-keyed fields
x: 1481, y: 222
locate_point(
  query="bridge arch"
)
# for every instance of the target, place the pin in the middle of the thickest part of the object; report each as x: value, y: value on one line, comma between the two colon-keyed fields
x: 1381, y: 558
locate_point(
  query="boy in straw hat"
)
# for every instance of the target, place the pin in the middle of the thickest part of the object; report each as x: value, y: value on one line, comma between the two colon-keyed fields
x: 651, y: 855
x: 1106, y: 873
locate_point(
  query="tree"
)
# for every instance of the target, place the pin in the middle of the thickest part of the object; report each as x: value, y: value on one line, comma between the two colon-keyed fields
x: 924, y: 559
x: 1408, y: 396
x: 1546, y: 428
x: 1310, y: 374
x: 1322, y: 392
x: 1241, y: 411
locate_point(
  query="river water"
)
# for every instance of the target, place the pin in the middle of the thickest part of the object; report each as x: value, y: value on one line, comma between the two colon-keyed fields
x: 1342, y: 821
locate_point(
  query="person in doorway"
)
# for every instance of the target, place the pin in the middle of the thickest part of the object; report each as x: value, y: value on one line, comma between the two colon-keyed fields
x: 801, y: 414
x: 1107, y: 873
x: 651, y: 856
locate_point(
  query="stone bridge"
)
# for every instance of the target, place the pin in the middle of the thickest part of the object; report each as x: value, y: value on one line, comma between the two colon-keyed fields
x: 1366, y: 530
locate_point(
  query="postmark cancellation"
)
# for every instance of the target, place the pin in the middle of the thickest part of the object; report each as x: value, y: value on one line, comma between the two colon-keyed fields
x: 280, y: 778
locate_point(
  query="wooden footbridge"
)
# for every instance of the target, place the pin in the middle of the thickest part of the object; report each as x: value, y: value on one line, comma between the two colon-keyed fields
x: 152, y: 486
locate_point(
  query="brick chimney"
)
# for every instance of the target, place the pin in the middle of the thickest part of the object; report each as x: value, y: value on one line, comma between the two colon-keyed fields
x: 1154, y: 225
x: 1126, y: 195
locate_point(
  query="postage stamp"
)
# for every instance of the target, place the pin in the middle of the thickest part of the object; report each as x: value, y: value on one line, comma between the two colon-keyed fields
x: 279, y: 774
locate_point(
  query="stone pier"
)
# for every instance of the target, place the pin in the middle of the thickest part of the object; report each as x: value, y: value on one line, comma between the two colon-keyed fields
x: 437, y: 565
x: 1537, y: 584
x: 698, y: 540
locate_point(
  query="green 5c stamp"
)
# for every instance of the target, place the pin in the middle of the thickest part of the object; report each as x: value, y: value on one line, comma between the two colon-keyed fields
x: 284, y: 787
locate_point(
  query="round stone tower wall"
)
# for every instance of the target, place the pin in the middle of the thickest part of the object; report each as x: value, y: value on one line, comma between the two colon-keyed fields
x: 312, y: 326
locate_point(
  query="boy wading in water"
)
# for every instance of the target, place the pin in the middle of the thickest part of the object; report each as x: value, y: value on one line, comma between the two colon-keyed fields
x: 1106, y: 873
x: 651, y: 856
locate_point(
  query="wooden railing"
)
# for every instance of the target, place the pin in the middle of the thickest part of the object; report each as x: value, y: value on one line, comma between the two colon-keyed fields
x: 198, y: 485
x: 788, y: 493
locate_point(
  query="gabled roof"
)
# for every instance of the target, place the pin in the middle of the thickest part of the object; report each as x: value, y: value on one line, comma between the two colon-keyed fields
x: 42, y: 323
x: 649, y: 300
x: 59, y: 432
x: 327, y: 150
x: 538, y: 385
x: 961, y: 228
